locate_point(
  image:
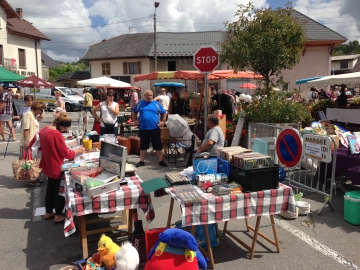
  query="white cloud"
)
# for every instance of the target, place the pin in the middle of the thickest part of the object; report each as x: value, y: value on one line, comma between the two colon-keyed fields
x: 74, y: 18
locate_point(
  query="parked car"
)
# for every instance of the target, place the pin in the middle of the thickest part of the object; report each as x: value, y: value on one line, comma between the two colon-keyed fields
x: 71, y: 98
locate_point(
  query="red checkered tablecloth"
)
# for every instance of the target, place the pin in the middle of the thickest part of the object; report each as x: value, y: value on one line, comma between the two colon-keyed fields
x: 129, y: 196
x: 236, y: 206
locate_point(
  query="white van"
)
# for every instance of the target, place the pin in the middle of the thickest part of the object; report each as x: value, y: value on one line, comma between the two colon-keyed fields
x: 71, y: 98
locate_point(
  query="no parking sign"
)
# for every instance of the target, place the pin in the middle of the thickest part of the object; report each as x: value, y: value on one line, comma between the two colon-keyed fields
x: 289, y: 147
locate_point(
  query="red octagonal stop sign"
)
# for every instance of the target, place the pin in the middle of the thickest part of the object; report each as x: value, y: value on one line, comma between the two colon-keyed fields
x: 206, y: 59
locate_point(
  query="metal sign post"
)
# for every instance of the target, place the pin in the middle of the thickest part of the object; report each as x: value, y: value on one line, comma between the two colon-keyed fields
x: 205, y: 101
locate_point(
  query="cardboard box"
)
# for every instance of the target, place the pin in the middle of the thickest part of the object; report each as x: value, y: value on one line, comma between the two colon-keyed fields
x: 337, y: 140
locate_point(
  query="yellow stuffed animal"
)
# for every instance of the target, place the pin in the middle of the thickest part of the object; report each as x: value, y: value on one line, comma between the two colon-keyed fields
x: 107, y: 250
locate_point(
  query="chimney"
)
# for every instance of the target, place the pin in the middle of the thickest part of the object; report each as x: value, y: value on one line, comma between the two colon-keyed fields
x: 20, y: 12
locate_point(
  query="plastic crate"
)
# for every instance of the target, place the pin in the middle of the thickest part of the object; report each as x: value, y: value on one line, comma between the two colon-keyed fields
x: 352, y: 207
x: 256, y: 179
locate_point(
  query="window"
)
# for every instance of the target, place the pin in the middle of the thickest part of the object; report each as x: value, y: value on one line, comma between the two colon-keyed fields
x: 131, y: 68
x: 171, y: 65
x: 105, y: 68
x: 22, y: 58
x: 286, y: 86
x: 344, y: 64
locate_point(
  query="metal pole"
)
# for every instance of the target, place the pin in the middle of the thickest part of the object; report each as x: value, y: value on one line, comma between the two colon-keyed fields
x: 205, y: 102
x: 155, y: 46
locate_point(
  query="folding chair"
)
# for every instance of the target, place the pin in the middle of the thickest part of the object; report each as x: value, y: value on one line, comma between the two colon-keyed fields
x: 173, y: 149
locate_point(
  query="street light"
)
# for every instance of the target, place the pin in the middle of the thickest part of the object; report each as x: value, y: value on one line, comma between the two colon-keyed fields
x: 156, y: 4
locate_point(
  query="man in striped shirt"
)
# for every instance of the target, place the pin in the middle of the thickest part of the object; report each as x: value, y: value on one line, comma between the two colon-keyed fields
x: 6, y: 109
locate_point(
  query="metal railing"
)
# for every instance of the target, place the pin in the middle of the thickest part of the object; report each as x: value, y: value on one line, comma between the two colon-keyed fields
x: 311, y: 173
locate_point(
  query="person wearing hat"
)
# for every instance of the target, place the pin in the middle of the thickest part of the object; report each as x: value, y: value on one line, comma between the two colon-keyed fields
x: 54, y: 151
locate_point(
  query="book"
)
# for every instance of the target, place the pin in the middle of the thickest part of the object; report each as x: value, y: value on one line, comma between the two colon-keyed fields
x: 357, y: 134
x: 353, y: 144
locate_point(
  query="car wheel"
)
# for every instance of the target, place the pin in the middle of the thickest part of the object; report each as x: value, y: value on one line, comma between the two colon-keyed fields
x: 68, y: 107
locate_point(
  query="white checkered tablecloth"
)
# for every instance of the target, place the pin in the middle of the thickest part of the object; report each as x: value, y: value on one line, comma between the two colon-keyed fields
x: 236, y: 206
x: 129, y: 196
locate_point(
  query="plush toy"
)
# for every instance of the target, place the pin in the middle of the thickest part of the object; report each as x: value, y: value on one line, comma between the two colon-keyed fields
x: 107, y: 250
x: 175, y: 249
x: 127, y: 258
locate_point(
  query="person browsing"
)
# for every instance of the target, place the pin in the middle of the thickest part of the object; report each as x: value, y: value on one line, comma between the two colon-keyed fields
x: 149, y: 126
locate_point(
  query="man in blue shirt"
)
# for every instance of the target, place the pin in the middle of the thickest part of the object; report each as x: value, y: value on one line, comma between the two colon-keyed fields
x: 149, y: 126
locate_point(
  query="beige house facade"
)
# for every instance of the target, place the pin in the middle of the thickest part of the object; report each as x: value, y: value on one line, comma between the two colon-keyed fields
x: 20, y: 42
x: 125, y: 56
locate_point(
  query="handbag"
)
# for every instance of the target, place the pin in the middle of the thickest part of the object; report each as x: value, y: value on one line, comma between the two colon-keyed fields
x: 137, y: 238
x: 109, y: 127
x: 35, y: 145
x: 26, y: 169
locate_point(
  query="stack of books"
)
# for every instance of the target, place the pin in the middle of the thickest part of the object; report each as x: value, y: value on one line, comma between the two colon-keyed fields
x: 220, y: 190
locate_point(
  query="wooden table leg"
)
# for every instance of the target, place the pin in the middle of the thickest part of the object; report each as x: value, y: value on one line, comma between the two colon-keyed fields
x: 247, y: 224
x: 275, y: 233
x: 211, y: 257
x: 170, y: 212
x: 129, y: 220
x: 256, y: 231
x: 83, y: 236
x: 225, y: 228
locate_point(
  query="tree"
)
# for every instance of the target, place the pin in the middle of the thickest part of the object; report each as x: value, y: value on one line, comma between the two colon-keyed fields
x: 265, y: 41
x: 352, y: 48
x: 59, y: 70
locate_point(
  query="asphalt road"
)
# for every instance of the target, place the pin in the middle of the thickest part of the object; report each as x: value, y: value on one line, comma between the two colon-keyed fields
x: 29, y: 242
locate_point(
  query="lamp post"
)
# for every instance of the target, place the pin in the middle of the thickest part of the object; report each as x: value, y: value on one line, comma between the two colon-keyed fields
x: 156, y: 4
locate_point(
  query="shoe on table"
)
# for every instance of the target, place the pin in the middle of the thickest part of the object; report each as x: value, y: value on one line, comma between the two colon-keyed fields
x: 162, y: 163
x: 141, y: 163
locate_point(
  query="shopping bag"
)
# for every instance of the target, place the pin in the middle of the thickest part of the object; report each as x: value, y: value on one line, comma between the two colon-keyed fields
x: 35, y: 146
x: 26, y: 169
x: 137, y: 238
x: 18, y: 127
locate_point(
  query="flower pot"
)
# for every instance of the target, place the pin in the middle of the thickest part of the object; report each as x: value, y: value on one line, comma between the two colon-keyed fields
x: 193, y: 103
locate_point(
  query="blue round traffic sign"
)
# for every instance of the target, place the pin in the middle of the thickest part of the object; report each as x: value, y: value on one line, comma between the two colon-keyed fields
x: 289, y: 147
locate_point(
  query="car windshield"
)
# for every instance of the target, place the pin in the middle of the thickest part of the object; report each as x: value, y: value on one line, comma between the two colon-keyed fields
x: 69, y: 91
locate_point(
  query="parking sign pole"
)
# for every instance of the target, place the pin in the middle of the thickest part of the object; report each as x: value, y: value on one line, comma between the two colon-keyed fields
x: 205, y: 101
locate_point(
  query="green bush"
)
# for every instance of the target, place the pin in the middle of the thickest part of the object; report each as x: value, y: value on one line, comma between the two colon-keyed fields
x: 278, y: 108
x: 321, y: 105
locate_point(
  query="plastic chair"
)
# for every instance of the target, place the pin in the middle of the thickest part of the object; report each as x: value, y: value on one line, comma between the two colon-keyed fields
x: 173, y: 149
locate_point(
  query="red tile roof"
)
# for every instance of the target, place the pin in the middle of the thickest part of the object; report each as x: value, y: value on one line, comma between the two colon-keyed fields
x: 10, y: 12
x: 21, y: 27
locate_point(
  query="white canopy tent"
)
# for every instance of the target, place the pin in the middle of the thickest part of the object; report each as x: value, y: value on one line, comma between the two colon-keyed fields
x: 347, y: 78
x: 103, y: 81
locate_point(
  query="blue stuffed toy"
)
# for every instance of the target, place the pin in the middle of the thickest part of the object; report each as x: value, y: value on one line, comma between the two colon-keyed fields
x: 176, y: 249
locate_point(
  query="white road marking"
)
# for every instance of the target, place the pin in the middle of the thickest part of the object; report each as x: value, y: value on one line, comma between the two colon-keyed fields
x: 316, y: 244
x: 36, y: 203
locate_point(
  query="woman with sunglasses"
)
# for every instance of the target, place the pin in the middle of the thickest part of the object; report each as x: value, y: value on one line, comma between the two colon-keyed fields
x: 109, y: 112
x: 29, y: 127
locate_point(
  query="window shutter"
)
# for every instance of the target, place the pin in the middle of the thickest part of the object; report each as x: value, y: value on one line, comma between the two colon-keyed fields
x: 138, y: 67
x: 1, y: 55
x: 125, y: 68
x: 22, y: 62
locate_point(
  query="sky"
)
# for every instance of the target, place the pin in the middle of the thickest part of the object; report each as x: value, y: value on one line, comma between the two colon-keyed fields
x: 74, y: 25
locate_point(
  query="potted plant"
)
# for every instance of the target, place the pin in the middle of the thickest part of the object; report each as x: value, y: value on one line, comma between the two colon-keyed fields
x: 355, y: 103
x: 321, y: 105
x: 192, y: 98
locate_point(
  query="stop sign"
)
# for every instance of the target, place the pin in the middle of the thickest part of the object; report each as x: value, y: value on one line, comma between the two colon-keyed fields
x: 206, y: 59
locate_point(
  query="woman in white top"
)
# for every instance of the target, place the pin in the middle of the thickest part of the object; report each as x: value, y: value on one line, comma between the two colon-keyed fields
x: 109, y: 112
x: 29, y: 127
x: 59, y: 104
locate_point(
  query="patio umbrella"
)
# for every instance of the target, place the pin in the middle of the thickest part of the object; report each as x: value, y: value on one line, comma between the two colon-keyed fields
x: 34, y: 82
x: 103, y: 81
x: 176, y: 125
x: 248, y: 86
x: 8, y: 76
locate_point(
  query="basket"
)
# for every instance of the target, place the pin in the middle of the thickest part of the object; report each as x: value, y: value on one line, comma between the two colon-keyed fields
x: 165, y: 136
x: 32, y: 173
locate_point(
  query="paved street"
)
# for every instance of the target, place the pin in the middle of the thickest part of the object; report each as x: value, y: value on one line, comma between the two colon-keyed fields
x: 29, y: 242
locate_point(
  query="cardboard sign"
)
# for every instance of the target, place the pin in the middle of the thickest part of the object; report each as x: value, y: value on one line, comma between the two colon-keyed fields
x: 317, y: 147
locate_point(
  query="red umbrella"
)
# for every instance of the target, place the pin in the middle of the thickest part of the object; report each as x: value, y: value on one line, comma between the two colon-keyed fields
x: 248, y: 86
x: 34, y: 82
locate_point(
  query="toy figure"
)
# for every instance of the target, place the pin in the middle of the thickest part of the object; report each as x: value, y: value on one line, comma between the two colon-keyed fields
x: 107, y: 250
x: 127, y: 258
x: 175, y: 249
